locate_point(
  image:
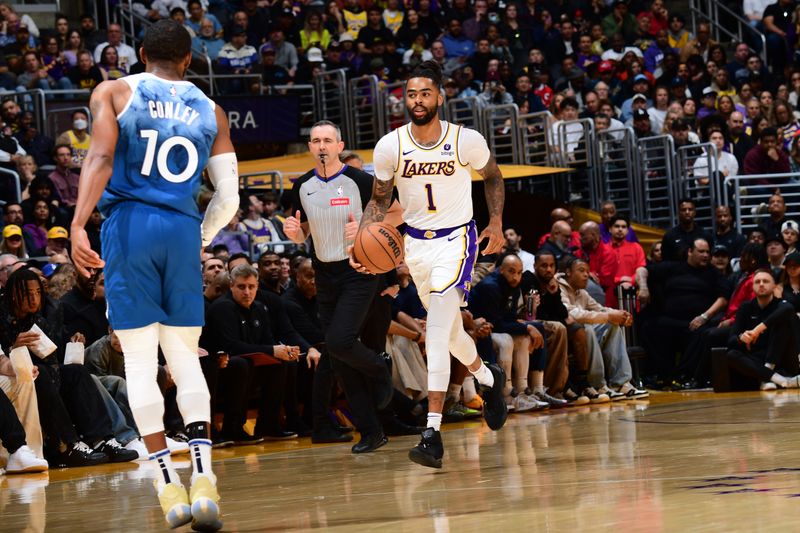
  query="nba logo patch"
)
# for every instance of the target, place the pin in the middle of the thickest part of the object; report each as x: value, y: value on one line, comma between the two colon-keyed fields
x: 339, y: 191
x: 173, y: 92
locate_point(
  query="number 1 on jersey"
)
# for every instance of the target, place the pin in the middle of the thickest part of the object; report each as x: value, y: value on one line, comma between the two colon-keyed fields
x: 431, y: 205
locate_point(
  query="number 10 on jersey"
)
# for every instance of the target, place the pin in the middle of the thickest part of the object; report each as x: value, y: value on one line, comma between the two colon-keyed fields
x: 431, y: 205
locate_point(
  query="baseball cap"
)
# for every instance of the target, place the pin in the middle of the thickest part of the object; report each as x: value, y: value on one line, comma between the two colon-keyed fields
x: 720, y: 249
x: 267, y: 48
x: 314, y: 55
x: 345, y: 37
x: 605, y: 66
x: 709, y: 90
x: 11, y: 230
x: 793, y: 257
x: 792, y: 225
x: 776, y: 238
x: 639, y: 96
x: 640, y: 77
x: 680, y: 124
x: 57, y: 232
x: 639, y: 114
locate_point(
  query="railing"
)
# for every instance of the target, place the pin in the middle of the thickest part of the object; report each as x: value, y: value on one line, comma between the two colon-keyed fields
x: 752, y: 190
x: 393, y: 113
x: 364, y: 97
x: 656, y: 167
x: 616, y: 173
x: 15, y: 177
x: 464, y: 111
x: 696, y: 178
x: 251, y: 180
x: 710, y: 11
x: 331, y: 93
x: 34, y: 101
x: 500, y: 130
x: 575, y: 150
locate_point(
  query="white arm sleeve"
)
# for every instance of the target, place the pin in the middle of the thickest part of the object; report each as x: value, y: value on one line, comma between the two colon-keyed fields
x: 472, y: 149
x: 384, y: 157
x: 223, y: 170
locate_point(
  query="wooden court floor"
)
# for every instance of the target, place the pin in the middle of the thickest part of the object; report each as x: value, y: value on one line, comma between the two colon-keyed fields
x: 678, y: 462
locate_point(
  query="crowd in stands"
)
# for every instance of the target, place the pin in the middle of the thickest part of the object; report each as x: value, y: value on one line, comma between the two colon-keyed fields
x: 554, y: 318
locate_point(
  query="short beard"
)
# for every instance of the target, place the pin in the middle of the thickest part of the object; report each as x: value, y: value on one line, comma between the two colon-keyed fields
x: 430, y: 114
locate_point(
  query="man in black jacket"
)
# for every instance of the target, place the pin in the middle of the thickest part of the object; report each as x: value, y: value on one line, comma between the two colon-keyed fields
x: 762, y: 347
x: 239, y: 325
x: 680, y: 238
x: 85, y: 308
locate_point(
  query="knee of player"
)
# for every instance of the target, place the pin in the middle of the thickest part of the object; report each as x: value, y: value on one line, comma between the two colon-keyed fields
x: 338, y: 342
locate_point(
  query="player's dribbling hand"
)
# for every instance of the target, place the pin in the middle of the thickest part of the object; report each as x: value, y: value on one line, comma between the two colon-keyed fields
x: 82, y: 254
x: 358, y: 267
x: 493, y: 232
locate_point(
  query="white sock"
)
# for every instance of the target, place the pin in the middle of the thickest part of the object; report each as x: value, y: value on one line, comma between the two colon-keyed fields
x: 435, y: 420
x: 454, y: 391
x: 165, y: 471
x: 469, y: 389
x: 484, y: 376
x: 200, y: 451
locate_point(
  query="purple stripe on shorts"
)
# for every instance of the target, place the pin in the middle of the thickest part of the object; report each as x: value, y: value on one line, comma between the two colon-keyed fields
x: 465, y: 279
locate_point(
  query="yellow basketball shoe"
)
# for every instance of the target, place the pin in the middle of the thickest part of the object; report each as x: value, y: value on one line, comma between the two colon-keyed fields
x: 205, y: 505
x: 175, y: 504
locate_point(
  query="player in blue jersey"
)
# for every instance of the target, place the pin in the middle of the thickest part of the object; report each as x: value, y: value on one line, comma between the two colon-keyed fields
x: 153, y: 134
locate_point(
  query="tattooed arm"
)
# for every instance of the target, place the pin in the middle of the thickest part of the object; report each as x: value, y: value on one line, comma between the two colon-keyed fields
x: 378, y: 206
x: 495, y: 197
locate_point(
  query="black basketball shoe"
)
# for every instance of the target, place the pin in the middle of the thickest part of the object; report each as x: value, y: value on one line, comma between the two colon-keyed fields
x: 429, y: 451
x: 495, y: 410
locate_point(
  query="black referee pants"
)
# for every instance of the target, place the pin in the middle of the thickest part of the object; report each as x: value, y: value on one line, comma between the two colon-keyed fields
x: 344, y: 298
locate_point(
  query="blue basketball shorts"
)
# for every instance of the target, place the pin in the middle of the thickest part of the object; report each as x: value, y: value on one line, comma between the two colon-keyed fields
x: 152, y: 271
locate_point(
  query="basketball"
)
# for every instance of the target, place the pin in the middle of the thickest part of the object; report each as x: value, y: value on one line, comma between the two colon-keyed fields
x: 379, y: 247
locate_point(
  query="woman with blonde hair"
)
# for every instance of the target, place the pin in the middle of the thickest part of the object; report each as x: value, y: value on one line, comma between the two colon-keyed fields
x: 314, y: 33
x: 27, y: 170
x: 13, y: 243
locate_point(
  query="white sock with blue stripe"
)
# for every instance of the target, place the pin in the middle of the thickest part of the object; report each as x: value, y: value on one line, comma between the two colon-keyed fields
x: 165, y: 471
x: 200, y: 451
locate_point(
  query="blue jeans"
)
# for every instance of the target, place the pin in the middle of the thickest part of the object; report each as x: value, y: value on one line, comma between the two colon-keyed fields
x: 124, y: 430
x: 608, y: 356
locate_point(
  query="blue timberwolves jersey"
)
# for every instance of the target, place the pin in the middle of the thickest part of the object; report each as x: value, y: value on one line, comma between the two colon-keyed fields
x: 165, y: 136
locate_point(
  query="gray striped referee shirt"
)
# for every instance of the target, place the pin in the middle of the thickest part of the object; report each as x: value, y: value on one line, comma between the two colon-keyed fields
x: 326, y: 203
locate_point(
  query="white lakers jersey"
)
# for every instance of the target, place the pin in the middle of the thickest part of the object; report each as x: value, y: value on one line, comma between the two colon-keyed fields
x: 434, y: 183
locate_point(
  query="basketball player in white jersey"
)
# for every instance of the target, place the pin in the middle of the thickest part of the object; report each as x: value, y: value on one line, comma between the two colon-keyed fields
x: 429, y: 162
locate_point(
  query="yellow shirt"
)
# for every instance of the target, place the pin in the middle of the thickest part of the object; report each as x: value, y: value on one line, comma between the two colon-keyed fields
x: 354, y: 22
x: 79, y: 147
x: 307, y: 38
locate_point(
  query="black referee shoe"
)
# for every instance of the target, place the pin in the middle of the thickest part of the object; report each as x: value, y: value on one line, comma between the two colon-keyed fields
x: 429, y: 451
x: 495, y: 410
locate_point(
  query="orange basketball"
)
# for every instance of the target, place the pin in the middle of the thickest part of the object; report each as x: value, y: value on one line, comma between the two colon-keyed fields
x: 379, y: 247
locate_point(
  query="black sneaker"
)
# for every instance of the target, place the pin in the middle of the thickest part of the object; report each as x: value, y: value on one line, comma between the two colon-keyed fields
x: 430, y: 450
x: 79, y: 455
x: 495, y: 410
x: 220, y: 442
x: 241, y: 438
x: 116, y: 452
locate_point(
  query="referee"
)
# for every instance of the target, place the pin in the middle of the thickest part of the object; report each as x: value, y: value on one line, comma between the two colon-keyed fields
x: 329, y: 200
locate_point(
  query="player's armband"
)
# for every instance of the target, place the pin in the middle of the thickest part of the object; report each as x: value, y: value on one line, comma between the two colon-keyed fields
x: 223, y: 170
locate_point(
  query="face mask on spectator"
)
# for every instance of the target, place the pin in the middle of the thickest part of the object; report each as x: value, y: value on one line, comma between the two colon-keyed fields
x: 80, y: 124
